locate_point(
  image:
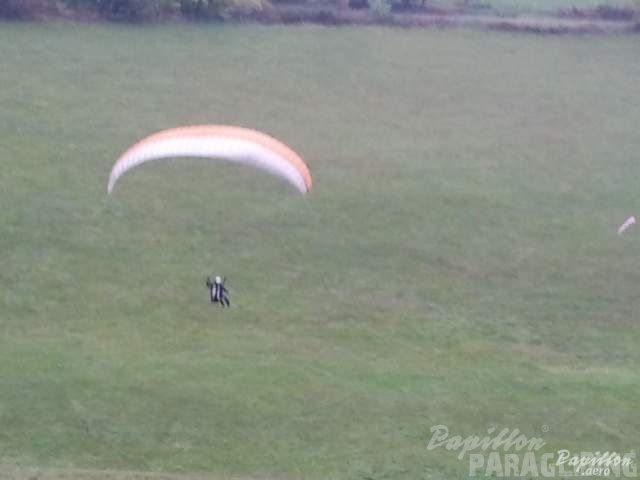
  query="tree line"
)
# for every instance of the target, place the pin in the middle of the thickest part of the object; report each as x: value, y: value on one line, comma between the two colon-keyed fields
x: 322, y: 11
x: 129, y: 10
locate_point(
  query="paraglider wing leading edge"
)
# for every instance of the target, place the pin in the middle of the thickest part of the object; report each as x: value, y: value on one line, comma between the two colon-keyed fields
x: 218, y: 142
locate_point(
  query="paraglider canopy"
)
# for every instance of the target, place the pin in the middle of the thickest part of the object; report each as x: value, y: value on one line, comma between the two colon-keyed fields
x: 221, y: 142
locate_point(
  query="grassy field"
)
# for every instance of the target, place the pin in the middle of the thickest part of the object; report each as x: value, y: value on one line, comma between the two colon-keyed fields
x: 456, y: 262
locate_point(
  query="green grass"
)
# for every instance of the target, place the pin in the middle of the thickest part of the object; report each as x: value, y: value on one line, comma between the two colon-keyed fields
x: 456, y: 262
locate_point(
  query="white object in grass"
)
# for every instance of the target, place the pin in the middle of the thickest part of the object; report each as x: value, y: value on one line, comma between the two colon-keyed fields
x: 627, y: 223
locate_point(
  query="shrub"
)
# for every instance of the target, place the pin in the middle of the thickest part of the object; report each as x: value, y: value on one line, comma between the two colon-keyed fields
x: 221, y: 9
x: 26, y: 9
x: 125, y: 10
x: 202, y: 9
x: 358, y: 4
x: 381, y: 8
x: 132, y: 10
x: 608, y: 12
x: 235, y: 8
x: 12, y: 9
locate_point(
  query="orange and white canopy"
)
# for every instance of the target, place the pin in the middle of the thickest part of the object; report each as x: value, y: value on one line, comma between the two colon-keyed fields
x: 236, y: 144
